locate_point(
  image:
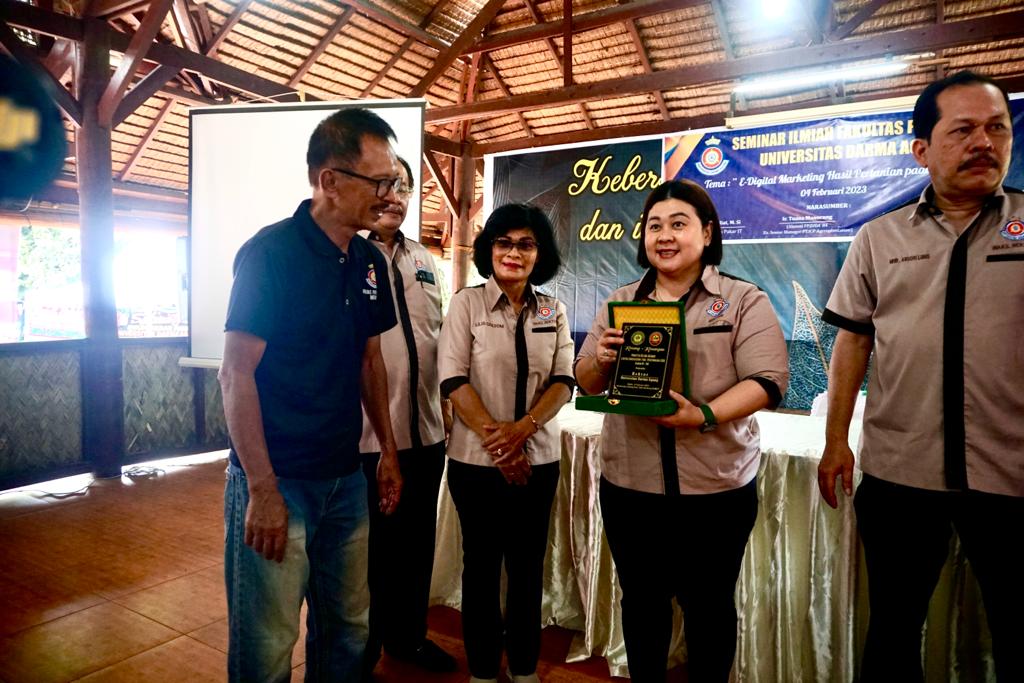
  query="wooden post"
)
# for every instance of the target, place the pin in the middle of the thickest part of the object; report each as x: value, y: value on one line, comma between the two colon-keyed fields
x: 462, y: 256
x: 102, y: 386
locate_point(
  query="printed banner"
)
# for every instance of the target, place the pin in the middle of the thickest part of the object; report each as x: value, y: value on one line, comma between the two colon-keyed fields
x: 821, y: 179
x: 790, y: 198
x: 805, y: 181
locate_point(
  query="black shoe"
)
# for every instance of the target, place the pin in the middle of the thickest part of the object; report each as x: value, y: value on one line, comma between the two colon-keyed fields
x: 428, y: 656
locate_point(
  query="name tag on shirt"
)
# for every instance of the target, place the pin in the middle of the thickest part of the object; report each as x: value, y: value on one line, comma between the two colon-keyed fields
x: 425, y: 276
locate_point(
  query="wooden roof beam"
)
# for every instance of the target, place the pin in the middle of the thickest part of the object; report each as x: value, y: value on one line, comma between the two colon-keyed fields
x: 226, y: 27
x: 25, y: 56
x: 32, y: 18
x: 727, y: 45
x: 189, y: 35
x: 140, y: 149
x: 447, y: 57
x: 153, y: 82
x: 854, y: 22
x: 394, y: 23
x: 446, y: 189
x: 445, y: 146
x: 61, y: 58
x: 110, y: 9
x: 645, y: 61
x: 139, y: 45
x: 427, y: 21
x: 927, y: 38
x: 486, y: 62
x: 564, y: 63
x: 328, y: 38
x: 582, y: 22
x: 567, y: 52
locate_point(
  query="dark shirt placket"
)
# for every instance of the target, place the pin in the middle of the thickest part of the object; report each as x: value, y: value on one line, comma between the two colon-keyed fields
x: 410, y: 344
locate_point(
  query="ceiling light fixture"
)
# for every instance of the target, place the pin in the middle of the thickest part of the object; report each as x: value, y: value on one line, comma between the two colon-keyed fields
x: 801, y: 80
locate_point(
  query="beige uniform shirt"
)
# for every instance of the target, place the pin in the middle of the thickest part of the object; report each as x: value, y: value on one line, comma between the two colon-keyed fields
x: 732, y: 334
x: 947, y: 315
x: 414, y: 397
x: 479, y: 346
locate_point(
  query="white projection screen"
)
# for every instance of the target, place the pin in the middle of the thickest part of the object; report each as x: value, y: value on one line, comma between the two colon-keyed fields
x: 247, y: 170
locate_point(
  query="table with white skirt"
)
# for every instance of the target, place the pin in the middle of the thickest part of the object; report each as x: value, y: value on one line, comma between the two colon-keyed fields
x: 802, y: 592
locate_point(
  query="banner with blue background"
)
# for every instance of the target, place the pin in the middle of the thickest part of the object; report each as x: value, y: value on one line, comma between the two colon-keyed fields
x: 790, y: 197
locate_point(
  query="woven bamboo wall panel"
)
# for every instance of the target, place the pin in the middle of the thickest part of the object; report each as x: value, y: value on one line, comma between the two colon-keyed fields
x: 158, y: 412
x: 40, y: 412
x: 216, y: 425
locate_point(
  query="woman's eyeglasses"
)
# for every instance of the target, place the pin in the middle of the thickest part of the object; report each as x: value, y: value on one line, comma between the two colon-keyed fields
x: 503, y: 245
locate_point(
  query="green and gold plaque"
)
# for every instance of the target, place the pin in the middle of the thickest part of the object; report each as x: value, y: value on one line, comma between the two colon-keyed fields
x: 650, y: 362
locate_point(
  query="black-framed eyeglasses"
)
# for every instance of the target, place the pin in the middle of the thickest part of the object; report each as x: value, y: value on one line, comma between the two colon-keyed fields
x: 503, y: 245
x: 384, y: 185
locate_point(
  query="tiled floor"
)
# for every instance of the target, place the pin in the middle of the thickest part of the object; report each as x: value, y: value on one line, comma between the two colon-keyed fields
x: 121, y: 580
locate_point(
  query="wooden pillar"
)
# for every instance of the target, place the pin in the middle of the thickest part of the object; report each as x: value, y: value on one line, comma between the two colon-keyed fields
x: 102, y: 385
x: 462, y: 254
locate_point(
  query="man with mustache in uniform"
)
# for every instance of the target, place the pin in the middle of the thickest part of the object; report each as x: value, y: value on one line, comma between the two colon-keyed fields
x: 934, y: 289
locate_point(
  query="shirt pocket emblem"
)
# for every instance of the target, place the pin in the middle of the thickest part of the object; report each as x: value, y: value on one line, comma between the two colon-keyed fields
x: 717, y: 308
x: 1014, y: 230
x: 545, y: 313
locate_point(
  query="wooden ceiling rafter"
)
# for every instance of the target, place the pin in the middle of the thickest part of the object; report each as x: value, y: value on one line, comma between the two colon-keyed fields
x: 472, y: 71
x: 853, y: 23
x: 564, y: 60
x: 60, y: 58
x: 581, y: 23
x: 25, y: 56
x: 438, y: 175
x: 489, y: 65
x: 112, y: 9
x: 139, y: 45
x: 147, y: 138
x: 189, y: 37
x: 567, y: 78
x: 455, y: 50
x: 229, y: 24
x: 812, y: 21
x: 728, y: 47
x: 645, y: 62
x: 321, y: 46
x: 153, y: 82
x: 424, y: 23
x: 396, y: 24
x: 991, y: 28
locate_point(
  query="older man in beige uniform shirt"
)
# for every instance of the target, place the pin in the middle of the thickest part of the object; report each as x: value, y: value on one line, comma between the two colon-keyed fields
x: 402, y: 545
x: 936, y: 289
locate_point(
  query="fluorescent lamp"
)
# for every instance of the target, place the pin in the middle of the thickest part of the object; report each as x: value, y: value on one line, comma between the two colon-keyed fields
x: 827, y: 112
x: 805, y: 79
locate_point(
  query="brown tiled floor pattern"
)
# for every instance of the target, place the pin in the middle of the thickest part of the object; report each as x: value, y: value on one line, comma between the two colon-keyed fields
x: 123, y: 582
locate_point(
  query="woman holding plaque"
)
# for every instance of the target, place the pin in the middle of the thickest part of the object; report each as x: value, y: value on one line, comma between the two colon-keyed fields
x: 505, y: 361
x: 678, y: 493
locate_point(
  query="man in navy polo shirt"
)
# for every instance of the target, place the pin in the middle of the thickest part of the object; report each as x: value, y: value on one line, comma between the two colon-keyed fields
x: 309, y: 302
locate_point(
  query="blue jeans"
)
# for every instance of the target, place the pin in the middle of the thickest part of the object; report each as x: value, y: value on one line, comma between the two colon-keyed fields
x: 324, y: 563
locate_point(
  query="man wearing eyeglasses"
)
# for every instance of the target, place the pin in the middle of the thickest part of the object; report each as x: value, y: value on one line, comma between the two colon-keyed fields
x: 402, y: 544
x: 309, y: 303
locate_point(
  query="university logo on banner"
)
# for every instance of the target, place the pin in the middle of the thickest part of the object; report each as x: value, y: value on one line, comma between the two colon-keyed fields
x: 712, y: 160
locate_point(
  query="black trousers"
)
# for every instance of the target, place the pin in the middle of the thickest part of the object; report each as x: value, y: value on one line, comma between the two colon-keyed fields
x: 689, y: 547
x: 501, y: 521
x: 906, y: 533
x: 401, y: 552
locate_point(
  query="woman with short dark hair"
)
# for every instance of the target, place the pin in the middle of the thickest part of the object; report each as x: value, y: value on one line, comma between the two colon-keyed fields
x: 505, y: 361
x: 678, y: 493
